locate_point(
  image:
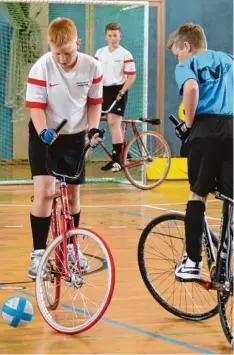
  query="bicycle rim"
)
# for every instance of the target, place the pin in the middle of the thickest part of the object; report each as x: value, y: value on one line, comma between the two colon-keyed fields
x: 84, y: 297
x: 147, y: 160
x: 225, y: 304
x: 226, y: 315
x: 160, y: 248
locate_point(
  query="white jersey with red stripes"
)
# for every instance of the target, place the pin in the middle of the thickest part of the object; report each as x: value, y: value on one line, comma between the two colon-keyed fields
x: 116, y: 65
x: 65, y: 94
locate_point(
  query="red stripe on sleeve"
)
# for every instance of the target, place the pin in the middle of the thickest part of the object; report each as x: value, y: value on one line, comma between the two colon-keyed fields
x: 129, y: 72
x: 32, y: 104
x: 97, y: 80
x: 129, y: 61
x: 37, y: 82
x: 96, y: 58
x: 95, y: 101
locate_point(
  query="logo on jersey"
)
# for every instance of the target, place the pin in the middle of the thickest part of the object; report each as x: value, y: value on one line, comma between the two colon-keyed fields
x: 51, y: 85
x: 82, y: 83
x: 209, y: 75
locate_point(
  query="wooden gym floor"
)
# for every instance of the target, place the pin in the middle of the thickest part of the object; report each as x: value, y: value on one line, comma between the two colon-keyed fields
x: 134, y: 322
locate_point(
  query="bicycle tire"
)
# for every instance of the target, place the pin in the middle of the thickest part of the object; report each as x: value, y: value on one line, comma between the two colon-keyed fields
x: 176, y: 241
x: 155, y: 142
x: 90, y: 317
x: 224, y: 302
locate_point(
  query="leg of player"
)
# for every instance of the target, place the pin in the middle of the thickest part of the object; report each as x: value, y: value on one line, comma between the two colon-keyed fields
x: 74, y: 205
x: 44, y: 186
x: 114, y: 122
x: 191, y: 265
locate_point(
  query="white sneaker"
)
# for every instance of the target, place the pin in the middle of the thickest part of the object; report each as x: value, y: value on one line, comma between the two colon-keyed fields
x: 36, y: 256
x: 116, y: 166
x: 84, y: 264
x: 188, y: 270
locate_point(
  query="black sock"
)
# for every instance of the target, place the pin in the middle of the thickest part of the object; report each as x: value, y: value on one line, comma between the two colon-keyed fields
x: 194, y: 227
x: 116, y: 152
x: 40, y: 229
x: 76, y: 219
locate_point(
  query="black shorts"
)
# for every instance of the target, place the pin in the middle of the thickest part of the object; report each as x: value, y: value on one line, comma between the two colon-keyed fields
x: 65, y: 154
x: 109, y: 96
x: 210, y: 166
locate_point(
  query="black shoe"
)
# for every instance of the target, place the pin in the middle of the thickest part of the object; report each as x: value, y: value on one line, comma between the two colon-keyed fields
x: 108, y: 166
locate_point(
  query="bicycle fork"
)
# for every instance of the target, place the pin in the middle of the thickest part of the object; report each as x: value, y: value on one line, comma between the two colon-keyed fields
x: 211, y: 259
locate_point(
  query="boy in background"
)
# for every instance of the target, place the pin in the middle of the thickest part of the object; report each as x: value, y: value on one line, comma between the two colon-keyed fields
x: 119, y: 73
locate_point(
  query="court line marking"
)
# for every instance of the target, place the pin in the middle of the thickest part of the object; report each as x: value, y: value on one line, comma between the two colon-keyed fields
x: 142, y: 331
x: 166, y: 209
x: 13, y: 226
x: 152, y: 206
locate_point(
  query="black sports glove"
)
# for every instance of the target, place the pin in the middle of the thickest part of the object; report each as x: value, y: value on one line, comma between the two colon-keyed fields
x: 182, y: 131
x: 93, y: 131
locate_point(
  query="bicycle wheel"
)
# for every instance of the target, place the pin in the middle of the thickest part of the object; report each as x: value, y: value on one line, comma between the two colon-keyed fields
x: 225, y: 304
x: 147, y: 160
x: 84, y: 297
x: 160, y: 248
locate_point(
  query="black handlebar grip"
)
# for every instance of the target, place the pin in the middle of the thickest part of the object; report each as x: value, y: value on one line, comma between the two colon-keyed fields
x: 102, y: 132
x: 60, y: 126
x: 174, y: 120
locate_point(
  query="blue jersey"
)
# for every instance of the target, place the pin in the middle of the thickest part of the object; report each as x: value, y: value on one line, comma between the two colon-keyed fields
x: 213, y: 72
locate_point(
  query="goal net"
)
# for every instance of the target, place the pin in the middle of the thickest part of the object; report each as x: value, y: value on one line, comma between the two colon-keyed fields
x: 23, y: 28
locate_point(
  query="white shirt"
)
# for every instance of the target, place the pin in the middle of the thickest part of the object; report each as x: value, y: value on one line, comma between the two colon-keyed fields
x: 116, y: 65
x: 64, y: 94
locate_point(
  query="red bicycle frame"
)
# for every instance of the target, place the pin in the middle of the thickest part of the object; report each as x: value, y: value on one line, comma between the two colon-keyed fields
x: 67, y: 223
x: 136, y: 133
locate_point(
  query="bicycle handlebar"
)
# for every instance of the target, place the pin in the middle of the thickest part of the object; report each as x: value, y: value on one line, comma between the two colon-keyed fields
x: 110, y: 108
x: 60, y: 126
x: 174, y: 120
x: 81, y: 162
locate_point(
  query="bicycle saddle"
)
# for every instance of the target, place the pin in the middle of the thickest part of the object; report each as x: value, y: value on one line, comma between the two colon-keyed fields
x: 154, y: 121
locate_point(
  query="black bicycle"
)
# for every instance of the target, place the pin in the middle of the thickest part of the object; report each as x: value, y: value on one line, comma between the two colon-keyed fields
x: 162, y: 246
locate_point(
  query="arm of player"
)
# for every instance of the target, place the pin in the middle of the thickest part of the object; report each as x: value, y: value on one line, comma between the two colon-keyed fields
x: 36, y: 96
x: 93, y: 115
x: 130, y: 71
x: 36, y: 101
x: 95, y: 101
x: 128, y: 83
x: 190, y: 99
x: 39, y: 119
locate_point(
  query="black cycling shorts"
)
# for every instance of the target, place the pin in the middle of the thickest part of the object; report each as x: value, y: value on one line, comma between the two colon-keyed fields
x: 65, y: 154
x: 210, y: 166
